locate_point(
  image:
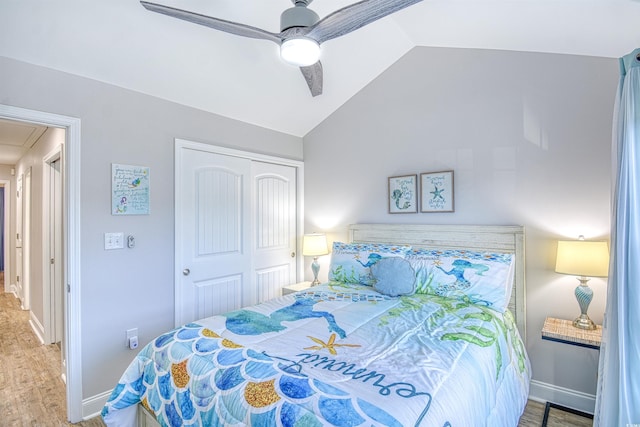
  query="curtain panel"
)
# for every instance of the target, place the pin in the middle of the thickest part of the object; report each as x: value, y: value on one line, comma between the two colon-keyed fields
x: 618, y: 396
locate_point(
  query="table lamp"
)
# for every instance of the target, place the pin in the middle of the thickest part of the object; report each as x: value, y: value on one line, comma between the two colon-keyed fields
x: 583, y: 258
x: 314, y: 245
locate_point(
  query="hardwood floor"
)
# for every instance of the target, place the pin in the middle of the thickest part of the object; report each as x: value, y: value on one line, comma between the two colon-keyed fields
x: 33, y: 394
x: 534, y: 412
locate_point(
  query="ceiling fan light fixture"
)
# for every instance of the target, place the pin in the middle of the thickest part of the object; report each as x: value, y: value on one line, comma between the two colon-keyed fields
x: 301, y: 29
x: 300, y: 51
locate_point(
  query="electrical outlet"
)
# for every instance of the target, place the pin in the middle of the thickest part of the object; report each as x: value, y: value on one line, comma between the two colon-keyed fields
x: 133, y: 343
x: 131, y: 333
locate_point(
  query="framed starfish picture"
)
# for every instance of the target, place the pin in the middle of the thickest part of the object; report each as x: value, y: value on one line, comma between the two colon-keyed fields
x: 403, y: 197
x: 437, y: 191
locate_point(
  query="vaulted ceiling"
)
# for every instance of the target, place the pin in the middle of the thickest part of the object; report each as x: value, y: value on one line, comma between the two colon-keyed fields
x: 121, y: 43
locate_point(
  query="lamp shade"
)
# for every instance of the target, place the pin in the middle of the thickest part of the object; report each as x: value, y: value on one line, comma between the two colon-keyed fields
x: 314, y: 244
x: 583, y: 258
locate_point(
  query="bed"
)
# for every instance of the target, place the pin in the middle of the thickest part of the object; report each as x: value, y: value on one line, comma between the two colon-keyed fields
x: 367, y: 348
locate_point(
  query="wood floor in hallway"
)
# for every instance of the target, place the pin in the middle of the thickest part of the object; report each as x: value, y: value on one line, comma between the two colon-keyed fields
x: 32, y: 393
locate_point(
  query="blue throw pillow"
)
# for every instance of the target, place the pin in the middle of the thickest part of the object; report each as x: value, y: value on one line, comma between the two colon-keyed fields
x: 393, y: 277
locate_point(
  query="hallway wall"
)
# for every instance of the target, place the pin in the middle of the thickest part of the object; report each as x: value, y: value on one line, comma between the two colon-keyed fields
x: 52, y: 138
x: 5, y: 175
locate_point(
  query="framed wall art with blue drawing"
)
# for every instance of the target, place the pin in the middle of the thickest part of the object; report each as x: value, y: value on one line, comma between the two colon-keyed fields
x: 437, y: 191
x: 403, y: 197
x: 129, y: 190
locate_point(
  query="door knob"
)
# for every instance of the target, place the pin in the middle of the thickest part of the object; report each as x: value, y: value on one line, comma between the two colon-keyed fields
x: 186, y: 272
x: 293, y: 254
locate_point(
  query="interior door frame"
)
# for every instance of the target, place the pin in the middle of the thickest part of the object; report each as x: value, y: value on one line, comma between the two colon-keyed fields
x: 50, y: 335
x: 8, y: 237
x: 181, y: 144
x: 19, y: 235
x: 71, y: 250
x: 26, y: 240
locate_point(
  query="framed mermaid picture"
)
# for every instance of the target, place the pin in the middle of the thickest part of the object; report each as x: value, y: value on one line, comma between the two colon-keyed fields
x: 403, y: 196
x: 437, y: 191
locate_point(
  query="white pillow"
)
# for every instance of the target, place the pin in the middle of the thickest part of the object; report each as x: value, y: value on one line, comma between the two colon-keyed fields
x: 350, y: 262
x: 482, y: 277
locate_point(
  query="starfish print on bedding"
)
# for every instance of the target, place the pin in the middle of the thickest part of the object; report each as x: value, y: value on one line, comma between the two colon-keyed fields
x: 329, y: 345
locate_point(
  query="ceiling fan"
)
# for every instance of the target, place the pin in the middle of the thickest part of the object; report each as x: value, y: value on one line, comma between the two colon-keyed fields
x: 301, y: 29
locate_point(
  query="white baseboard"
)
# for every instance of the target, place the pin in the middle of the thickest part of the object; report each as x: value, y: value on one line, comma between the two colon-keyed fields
x: 37, y: 327
x: 92, y: 406
x: 543, y: 392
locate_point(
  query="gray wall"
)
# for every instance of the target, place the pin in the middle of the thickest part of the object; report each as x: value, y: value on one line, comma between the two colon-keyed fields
x: 528, y: 137
x: 129, y: 288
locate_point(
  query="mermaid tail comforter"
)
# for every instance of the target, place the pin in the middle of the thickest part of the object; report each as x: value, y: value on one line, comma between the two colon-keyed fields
x: 334, y: 355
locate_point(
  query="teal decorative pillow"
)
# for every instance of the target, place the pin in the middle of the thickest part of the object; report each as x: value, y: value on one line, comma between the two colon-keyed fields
x: 393, y: 277
x: 481, y: 277
x: 351, y: 262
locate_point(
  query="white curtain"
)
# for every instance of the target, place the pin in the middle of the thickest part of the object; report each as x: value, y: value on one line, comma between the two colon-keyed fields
x: 618, y: 397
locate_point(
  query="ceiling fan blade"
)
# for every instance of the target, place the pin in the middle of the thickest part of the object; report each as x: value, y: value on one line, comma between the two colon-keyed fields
x: 313, y: 75
x: 215, y: 23
x: 354, y: 16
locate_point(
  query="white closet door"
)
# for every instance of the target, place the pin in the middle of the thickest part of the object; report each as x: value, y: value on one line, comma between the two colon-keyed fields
x: 274, y: 243
x: 235, y: 232
x: 215, y: 236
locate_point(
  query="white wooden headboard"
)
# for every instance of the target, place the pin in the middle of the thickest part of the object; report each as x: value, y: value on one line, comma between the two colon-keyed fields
x: 494, y: 238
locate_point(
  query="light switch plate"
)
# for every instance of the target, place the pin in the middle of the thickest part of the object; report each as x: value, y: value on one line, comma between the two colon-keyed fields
x: 113, y: 241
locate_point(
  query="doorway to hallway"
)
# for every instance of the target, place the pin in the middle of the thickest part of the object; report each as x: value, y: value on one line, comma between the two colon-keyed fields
x: 70, y: 260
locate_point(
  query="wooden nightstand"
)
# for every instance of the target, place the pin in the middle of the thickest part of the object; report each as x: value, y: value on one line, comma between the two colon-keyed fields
x: 563, y: 331
x: 295, y: 288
